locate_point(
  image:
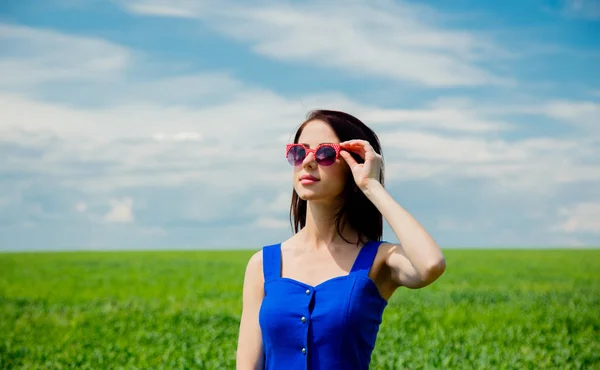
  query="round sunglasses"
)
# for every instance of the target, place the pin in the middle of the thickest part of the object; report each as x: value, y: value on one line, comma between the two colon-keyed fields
x: 325, y: 154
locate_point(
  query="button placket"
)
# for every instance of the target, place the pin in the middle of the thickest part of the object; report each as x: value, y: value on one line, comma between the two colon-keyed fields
x: 304, y: 320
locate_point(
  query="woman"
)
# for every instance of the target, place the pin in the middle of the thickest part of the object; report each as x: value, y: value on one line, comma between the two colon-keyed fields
x: 315, y: 300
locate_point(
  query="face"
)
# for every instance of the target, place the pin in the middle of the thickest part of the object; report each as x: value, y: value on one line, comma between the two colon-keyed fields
x: 329, y: 180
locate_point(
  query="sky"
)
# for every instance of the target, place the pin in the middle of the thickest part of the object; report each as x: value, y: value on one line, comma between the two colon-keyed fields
x: 148, y: 124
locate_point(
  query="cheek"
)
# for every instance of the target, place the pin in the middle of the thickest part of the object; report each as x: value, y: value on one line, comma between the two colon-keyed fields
x: 342, y: 170
x: 336, y: 177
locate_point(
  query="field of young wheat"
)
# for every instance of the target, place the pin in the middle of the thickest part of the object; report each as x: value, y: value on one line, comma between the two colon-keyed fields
x: 501, y: 309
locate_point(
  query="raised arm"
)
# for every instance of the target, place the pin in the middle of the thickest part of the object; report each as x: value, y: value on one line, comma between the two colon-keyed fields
x: 416, y: 261
x: 249, y: 355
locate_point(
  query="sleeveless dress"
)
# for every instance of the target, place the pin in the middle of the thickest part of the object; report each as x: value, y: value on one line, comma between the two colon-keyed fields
x: 332, y: 325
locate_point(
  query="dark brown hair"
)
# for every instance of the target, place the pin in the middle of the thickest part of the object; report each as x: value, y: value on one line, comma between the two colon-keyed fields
x: 357, y: 209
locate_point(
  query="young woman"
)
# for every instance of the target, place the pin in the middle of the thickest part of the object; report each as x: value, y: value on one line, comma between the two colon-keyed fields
x: 315, y: 300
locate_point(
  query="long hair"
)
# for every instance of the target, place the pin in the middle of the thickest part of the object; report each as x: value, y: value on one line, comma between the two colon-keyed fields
x: 356, y: 210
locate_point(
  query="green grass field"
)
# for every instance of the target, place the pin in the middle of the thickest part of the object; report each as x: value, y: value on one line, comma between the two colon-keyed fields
x: 490, y: 310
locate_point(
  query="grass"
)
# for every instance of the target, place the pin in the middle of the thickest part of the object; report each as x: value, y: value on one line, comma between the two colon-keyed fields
x: 501, y: 309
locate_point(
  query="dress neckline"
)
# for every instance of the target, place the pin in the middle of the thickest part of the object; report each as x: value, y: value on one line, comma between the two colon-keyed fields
x: 355, y: 266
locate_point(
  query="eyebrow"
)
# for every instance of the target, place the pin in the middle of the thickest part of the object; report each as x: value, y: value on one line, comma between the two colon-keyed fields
x: 317, y: 145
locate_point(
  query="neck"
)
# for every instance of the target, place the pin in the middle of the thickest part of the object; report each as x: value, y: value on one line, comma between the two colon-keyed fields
x: 321, y: 230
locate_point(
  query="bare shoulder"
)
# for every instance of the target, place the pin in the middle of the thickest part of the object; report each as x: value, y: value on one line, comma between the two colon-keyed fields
x: 380, y: 271
x: 383, y: 253
x: 256, y: 259
x: 254, y: 266
x: 254, y: 279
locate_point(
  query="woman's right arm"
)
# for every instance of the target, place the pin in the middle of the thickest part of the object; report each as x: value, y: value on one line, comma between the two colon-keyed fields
x: 249, y: 355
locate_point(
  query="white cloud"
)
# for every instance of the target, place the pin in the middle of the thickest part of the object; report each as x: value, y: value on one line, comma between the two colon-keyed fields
x: 446, y: 139
x: 582, y: 113
x: 271, y: 223
x: 131, y: 139
x: 582, y: 217
x: 159, y: 9
x: 81, y: 207
x: 180, y: 136
x: 121, y: 211
x: 383, y: 39
x: 31, y: 57
x: 536, y: 164
x: 231, y: 143
x: 272, y: 205
x: 437, y: 117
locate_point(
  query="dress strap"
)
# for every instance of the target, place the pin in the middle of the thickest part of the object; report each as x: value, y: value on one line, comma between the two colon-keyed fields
x: 272, y: 261
x: 365, y: 258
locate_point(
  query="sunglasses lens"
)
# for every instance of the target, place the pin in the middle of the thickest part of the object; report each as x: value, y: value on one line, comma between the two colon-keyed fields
x: 326, y: 156
x: 296, y: 155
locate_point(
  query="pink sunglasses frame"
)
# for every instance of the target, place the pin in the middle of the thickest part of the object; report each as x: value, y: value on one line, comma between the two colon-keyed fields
x: 336, y: 147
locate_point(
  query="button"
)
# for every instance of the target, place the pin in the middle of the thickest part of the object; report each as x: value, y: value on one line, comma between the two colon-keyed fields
x: 303, y: 350
x: 307, y: 291
x: 303, y: 319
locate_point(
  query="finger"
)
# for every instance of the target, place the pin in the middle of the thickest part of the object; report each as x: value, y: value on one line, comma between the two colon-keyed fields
x: 348, y: 158
x: 364, y: 144
x: 361, y: 147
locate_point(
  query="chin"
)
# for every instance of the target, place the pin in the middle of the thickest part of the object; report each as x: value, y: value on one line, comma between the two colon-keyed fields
x: 307, y: 194
x: 314, y: 196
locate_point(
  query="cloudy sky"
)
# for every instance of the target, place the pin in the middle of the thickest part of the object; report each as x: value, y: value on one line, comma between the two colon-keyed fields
x: 162, y: 124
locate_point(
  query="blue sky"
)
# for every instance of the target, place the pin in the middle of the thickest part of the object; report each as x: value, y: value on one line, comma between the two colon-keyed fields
x: 161, y: 124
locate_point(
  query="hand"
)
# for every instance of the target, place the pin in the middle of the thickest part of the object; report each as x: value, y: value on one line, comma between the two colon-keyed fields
x: 364, y: 173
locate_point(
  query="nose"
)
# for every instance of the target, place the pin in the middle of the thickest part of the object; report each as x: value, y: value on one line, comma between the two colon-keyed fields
x: 308, y: 160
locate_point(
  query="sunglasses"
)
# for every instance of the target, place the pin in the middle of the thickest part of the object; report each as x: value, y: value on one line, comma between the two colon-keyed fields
x: 325, y: 154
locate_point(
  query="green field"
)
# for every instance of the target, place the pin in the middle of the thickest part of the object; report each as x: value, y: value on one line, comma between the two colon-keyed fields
x: 502, y: 309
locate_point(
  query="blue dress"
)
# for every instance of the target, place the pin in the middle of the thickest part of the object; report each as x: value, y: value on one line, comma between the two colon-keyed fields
x: 332, y: 325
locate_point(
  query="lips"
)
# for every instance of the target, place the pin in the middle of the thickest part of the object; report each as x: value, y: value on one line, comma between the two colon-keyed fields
x: 308, y: 177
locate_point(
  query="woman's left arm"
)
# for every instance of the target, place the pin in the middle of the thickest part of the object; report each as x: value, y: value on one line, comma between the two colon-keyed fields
x: 416, y: 261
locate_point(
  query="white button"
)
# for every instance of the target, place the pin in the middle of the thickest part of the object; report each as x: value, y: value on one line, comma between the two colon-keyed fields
x: 303, y: 350
x: 303, y: 319
x: 307, y: 291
